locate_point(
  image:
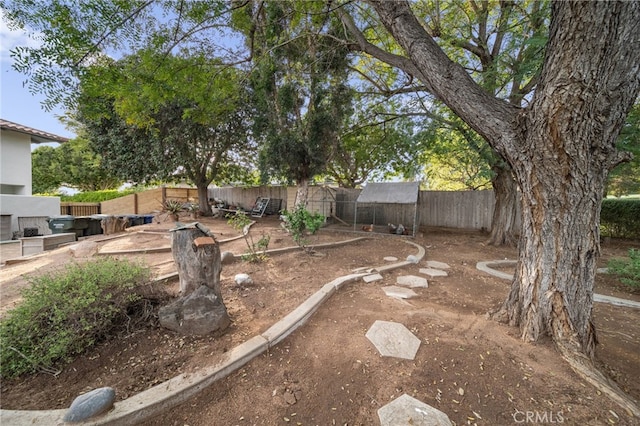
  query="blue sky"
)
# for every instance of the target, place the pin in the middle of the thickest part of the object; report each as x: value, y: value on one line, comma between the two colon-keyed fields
x: 16, y: 103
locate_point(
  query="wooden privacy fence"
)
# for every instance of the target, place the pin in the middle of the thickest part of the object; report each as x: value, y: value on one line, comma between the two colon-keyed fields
x: 450, y: 209
x: 79, y: 209
x: 245, y: 197
x: 150, y: 201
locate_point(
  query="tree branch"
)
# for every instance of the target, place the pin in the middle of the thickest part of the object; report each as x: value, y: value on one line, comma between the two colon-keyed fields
x: 364, y: 46
x: 492, y: 118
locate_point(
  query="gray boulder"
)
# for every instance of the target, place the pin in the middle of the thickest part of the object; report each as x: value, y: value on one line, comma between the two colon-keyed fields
x: 90, y: 404
x: 227, y: 257
x: 243, y: 279
x: 201, y: 312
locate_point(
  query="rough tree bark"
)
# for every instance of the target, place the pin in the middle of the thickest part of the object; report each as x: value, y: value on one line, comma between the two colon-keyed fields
x: 197, y: 258
x: 203, y: 198
x: 504, y: 224
x: 560, y: 149
x: 302, y: 193
x: 200, y: 309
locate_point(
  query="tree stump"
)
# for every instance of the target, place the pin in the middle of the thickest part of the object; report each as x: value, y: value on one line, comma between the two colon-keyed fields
x: 200, y: 309
x: 113, y: 224
x: 197, y: 257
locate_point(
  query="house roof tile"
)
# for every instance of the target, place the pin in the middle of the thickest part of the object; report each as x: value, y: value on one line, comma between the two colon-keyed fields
x: 37, y: 136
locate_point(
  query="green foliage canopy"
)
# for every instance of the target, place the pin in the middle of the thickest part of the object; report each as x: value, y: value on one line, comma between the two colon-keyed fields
x: 158, y: 117
x: 74, y: 164
x: 300, y: 88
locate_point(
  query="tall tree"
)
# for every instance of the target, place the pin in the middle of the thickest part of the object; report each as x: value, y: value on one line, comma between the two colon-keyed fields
x: 45, y: 170
x: 300, y: 87
x: 187, y: 115
x: 376, y: 143
x: 73, y: 164
x: 560, y: 148
x: 455, y: 157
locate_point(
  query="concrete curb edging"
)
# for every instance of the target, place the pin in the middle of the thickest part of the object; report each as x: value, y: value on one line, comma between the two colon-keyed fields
x: 601, y: 298
x: 298, y: 248
x: 178, y: 389
x: 245, y: 231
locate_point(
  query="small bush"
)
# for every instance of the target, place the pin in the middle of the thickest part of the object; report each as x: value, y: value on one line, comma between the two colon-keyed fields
x: 300, y: 221
x: 257, y: 250
x: 173, y: 207
x: 628, y: 270
x: 65, y: 312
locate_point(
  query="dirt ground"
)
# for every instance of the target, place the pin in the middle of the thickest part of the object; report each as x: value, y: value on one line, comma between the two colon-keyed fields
x: 327, y: 372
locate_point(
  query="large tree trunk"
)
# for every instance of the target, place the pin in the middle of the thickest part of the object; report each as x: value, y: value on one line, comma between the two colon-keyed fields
x: 302, y: 193
x: 504, y: 224
x: 203, y: 199
x: 567, y: 149
x: 560, y: 149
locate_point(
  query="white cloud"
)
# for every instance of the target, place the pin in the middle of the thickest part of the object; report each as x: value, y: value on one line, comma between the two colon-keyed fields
x: 10, y: 39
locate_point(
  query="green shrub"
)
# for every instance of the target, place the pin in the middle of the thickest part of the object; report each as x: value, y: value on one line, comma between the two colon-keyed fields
x: 628, y: 270
x: 300, y: 221
x: 239, y: 222
x: 65, y: 312
x: 619, y: 218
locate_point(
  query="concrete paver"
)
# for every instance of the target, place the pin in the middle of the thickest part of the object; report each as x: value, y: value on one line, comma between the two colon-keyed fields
x: 412, y: 281
x: 393, y: 339
x: 371, y: 278
x: 400, y: 292
x: 437, y: 265
x: 434, y: 272
x: 406, y: 410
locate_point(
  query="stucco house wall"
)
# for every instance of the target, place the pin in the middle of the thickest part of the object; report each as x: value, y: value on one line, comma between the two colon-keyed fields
x: 16, y: 201
x: 15, y: 165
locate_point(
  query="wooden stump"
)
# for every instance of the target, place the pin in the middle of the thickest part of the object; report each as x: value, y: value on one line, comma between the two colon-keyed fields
x: 197, y: 257
x: 113, y: 224
x: 200, y: 309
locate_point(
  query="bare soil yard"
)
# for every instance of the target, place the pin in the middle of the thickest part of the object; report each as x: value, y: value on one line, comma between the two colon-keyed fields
x: 327, y: 372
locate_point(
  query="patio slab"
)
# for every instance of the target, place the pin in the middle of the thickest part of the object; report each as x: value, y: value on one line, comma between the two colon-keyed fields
x: 437, y: 265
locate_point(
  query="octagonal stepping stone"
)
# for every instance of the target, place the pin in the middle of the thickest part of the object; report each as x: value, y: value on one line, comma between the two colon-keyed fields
x: 437, y: 265
x: 393, y: 339
x: 412, y: 281
x: 406, y: 410
x: 399, y: 292
x: 371, y: 278
x: 433, y: 272
x: 390, y: 259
